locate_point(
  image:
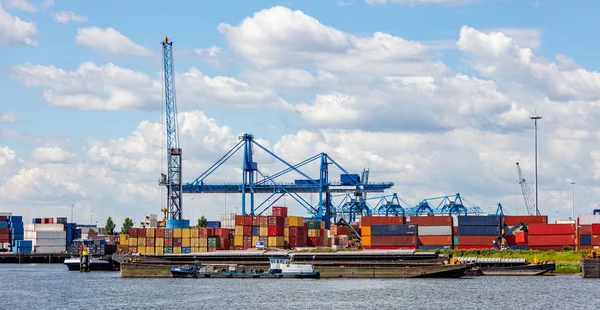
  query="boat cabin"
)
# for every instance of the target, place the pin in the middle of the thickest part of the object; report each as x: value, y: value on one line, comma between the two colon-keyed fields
x: 285, y: 265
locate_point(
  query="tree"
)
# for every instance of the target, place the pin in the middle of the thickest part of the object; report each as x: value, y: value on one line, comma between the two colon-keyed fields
x: 127, y: 223
x: 109, y: 228
x: 202, y: 221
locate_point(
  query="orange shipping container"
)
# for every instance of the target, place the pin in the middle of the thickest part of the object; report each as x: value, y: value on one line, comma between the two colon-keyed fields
x: 512, y: 220
x: 366, y: 231
x: 476, y: 240
x: 159, y: 233
x: 585, y: 229
x: 435, y: 240
x: 521, y: 237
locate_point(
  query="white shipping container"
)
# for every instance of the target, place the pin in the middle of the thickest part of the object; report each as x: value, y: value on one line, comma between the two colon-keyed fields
x: 434, y: 230
x: 49, y: 249
x: 228, y: 220
x: 46, y: 235
x: 5, y: 213
x: 589, y: 219
x: 565, y: 222
x: 48, y: 242
x: 44, y: 227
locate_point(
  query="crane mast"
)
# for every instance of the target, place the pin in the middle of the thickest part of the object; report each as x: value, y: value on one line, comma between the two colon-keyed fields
x: 529, y: 203
x: 172, y: 180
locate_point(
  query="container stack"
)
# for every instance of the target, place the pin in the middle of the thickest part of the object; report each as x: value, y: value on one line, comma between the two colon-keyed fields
x: 242, y: 239
x: 133, y: 240
x: 4, y: 232
x: 297, y: 236
x: 587, y: 239
x: 228, y: 220
x: 224, y: 234
x: 433, y: 232
x: 73, y: 233
x: 276, y: 230
x: 256, y: 229
x: 47, y: 238
x: 315, y: 231
x: 17, y: 232
x: 22, y: 246
x: 478, y: 231
x: 388, y: 232
x: 518, y: 240
x: 551, y: 236
x: 213, y: 224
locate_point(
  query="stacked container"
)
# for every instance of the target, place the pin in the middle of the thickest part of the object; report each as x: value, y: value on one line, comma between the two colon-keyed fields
x: 47, y: 238
x: 228, y: 220
x: 213, y: 224
x: 551, y: 236
x: 4, y: 230
x: 434, y: 232
x: 587, y: 238
x: 17, y: 232
x: 315, y: 231
x: 133, y: 240
x: 224, y: 234
x: 478, y: 231
x: 518, y: 240
x: 22, y: 246
x: 297, y: 235
x: 243, y: 232
x: 387, y: 232
x: 73, y: 233
x: 276, y: 231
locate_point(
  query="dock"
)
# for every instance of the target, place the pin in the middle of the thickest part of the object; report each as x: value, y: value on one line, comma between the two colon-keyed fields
x: 33, y: 258
x: 590, y: 267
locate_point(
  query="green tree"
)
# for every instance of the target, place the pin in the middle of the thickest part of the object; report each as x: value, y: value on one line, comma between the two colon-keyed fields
x: 127, y: 223
x: 202, y: 221
x: 109, y: 228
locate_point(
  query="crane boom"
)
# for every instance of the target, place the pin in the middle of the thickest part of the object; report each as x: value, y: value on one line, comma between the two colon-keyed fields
x: 172, y: 180
x: 529, y: 203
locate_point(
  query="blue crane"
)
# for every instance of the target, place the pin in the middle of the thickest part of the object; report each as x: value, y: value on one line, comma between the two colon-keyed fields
x: 172, y: 180
x: 271, y: 185
x: 446, y: 205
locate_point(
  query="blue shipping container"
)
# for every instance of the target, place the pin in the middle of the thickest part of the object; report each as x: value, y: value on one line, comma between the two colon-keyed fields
x: 16, y: 224
x: 349, y: 179
x: 186, y: 250
x: 478, y: 230
x: 17, y: 230
x: 585, y: 240
x: 519, y: 247
x: 15, y: 218
x: 3, y: 224
x: 255, y: 230
x: 25, y: 243
x: 393, y: 230
x: 17, y: 237
x: 178, y: 224
x: 479, y: 220
x: 213, y: 224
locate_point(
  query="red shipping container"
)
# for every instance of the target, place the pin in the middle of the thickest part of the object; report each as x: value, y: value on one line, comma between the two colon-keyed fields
x: 339, y: 230
x: 256, y: 220
x: 382, y: 220
x: 168, y: 232
x: 276, y: 221
x: 313, y: 241
x: 247, y: 230
x: 159, y: 233
x: 474, y: 247
x: 222, y: 232
x: 296, y: 231
x: 279, y: 211
x: 521, y: 237
x: 455, y: 231
x: 595, y: 239
x: 547, y: 240
x: 239, y: 220
x: 585, y: 229
x: 431, y: 220
x: 224, y: 243
x: 3, y: 218
x: 276, y: 231
x: 168, y: 241
x: 4, y: 231
x: 435, y: 240
x: 4, y: 238
x: 512, y: 220
x: 248, y: 220
x: 476, y: 240
x: 150, y: 242
x: 133, y: 233
x: 393, y: 240
x: 177, y: 242
x: 595, y: 229
x: 264, y: 221
x: 551, y: 229
x: 248, y: 241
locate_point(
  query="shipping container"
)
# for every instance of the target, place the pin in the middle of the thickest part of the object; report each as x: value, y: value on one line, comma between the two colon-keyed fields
x: 431, y: 221
x: 551, y: 229
x: 589, y: 219
x: 474, y: 247
x: 44, y: 227
x: 521, y: 237
x: 393, y: 230
x: 277, y: 242
x: 476, y: 240
x: 397, y: 240
x: 478, y: 230
x: 434, y: 230
x: 279, y: 211
x: 276, y: 231
x: 239, y: 220
x: 213, y: 224
x: 511, y: 220
x: 296, y: 221
x: 434, y: 247
x: 551, y: 240
x: 435, y: 240
x: 585, y: 240
x: 276, y: 221
x: 595, y: 229
x: 256, y: 230
x: 382, y: 220
x: 585, y: 230
x: 479, y: 220
x: 248, y: 220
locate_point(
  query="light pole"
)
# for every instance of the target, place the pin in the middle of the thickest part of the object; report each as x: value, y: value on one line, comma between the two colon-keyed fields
x: 537, y: 207
x: 573, y: 206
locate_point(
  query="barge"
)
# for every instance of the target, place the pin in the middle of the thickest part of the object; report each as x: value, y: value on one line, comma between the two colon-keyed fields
x: 279, y: 268
x: 507, y: 266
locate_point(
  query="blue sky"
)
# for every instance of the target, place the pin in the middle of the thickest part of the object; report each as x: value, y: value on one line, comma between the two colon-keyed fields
x: 467, y: 92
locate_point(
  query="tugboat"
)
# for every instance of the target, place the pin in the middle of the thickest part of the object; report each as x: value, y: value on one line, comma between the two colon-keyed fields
x: 279, y: 268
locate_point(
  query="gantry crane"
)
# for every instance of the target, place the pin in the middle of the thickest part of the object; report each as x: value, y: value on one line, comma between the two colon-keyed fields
x: 172, y: 179
x: 529, y: 203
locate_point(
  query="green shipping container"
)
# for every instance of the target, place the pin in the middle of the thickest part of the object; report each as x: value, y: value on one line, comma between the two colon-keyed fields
x: 214, y: 242
x: 168, y: 249
x: 455, y: 239
x: 314, y: 224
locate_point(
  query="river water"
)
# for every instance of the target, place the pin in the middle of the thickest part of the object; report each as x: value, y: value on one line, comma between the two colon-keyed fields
x: 53, y: 287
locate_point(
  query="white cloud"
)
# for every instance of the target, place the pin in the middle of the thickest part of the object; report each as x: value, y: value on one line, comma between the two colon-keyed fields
x: 52, y: 155
x: 20, y: 5
x: 6, y: 156
x: 47, y: 4
x: 8, y: 117
x: 14, y: 31
x: 110, y: 41
x: 523, y: 37
x: 65, y: 17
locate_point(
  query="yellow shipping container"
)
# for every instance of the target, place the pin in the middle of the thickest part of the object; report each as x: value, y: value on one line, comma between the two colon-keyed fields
x: 150, y: 232
x: 176, y: 250
x: 239, y: 230
x: 177, y: 233
x: 194, y: 242
x: 238, y: 240
x: 141, y: 242
x: 277, y: 242
x: 366, y: 240
x: 255, y: 239
x: 186, y: 242
x: 296, y: 221
x: 203, y: 242
x: 263, y: 231
x: 141, y: 249
x: 314, y: 233
x: 194, y: 233
x: 286, y: 232
x: 159, y: 250
x: 159, y: 242
x: 202, y: 249
x: 124, y: 239
x: 365, y: 231
x: 149, y: 250
x: 133, y: 241
x: 186, y: 233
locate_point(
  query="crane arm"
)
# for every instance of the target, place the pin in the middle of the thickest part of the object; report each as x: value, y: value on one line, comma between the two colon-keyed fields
x: 527, y: 196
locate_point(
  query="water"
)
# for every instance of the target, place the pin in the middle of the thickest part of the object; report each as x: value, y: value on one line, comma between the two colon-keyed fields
x: 53, y: 287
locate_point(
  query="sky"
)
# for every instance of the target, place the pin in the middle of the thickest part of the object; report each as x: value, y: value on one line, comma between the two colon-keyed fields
x: 433, y: 95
